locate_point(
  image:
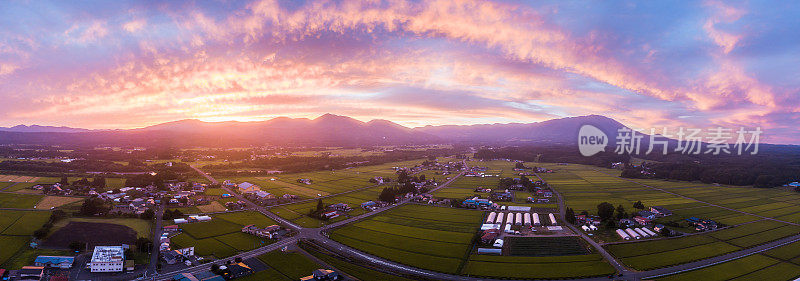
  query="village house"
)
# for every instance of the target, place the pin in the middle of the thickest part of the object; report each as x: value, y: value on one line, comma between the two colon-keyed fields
x: 271, y: 232
x: 172, y: 257
x: 660, y: 211
x: 247, y: 187
x: 54, y: 261
x: 702, y: 224
x: 30, y: 273
x: 502, y: 196
x: 641, y: 220
x: 647, y: 214
x: 235, y: 270
x: 626, y: 222
x: 331, y: 215
x: 339, y: 207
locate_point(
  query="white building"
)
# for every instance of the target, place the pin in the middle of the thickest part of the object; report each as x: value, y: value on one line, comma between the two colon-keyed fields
x: 107, y: 259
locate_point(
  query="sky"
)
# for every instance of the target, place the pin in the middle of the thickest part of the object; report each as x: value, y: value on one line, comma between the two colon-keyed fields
x: 647, y: 64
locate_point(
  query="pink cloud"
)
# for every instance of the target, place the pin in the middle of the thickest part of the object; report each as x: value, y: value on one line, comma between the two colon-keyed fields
x: 134, y: 25
x: 7, y: 68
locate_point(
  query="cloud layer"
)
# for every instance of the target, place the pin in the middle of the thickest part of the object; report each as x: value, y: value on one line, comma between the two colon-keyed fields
x: 130, y: 64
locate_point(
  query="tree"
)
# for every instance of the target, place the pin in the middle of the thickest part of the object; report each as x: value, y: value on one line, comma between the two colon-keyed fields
x: 638, y: 205
x: 148, y: 214
x: 99, y: 182
x: 764, y: 181
x: 605, y: 210
x: 402, y: 176
x: 93, y: 206
x: 621, y: 212
x: 143, y: 244
x: 387, y: 194
x: 320, y: 205
x: 570, y: 215
x: 57, y: 215
x: 41, y: 233
x: 525, y: 181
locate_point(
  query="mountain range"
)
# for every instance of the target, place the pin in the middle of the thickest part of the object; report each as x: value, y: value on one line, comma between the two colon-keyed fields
x: 326, y: 130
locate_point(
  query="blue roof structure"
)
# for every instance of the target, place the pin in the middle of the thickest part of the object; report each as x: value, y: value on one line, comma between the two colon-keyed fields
x: 54, y: 259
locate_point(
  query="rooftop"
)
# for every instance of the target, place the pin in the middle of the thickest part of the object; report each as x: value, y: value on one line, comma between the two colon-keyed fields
x: 108, y: 253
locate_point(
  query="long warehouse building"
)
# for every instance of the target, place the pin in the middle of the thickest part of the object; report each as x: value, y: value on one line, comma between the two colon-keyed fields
x: 491, y: 217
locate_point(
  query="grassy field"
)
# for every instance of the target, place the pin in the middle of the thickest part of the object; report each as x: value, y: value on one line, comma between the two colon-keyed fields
x: 27, y: 255
x: 465, y: 186
x: 25, y: 223
x: 19, y: 201
x: 362, y: 273
x: 142, y: 227
x: 538, y: 267
x: 782, y: 263
x: 11, y: 245
x: 583, y: 187
x: 283, y: 266
x: 112, y: 183
x: 755, y: 267
x: 211, y: 208
x: 329, y: 182
x: 222, y: 237
x: 56, y: 201
x: 432, y: 238
x: 16, y: 228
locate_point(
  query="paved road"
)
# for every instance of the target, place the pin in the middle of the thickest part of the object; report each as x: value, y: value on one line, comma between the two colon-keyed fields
x: 212, y: 180
x: 9, y: 186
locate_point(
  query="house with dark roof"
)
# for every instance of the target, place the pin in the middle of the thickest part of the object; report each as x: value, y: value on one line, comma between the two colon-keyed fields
x: 660, y: 211
x: 172, y: 257
x: 30, y: 273
x: 236, y: 270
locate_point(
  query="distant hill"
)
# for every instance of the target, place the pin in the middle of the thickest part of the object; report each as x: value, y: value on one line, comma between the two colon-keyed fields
x: 555, y: 131
x: 326, y: 130
x: 42, y: 129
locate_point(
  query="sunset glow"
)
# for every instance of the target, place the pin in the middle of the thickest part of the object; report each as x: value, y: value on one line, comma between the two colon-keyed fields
x: 129, y: 64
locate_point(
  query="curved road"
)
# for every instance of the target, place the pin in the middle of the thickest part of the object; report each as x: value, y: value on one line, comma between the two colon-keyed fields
x: 319, y: 237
